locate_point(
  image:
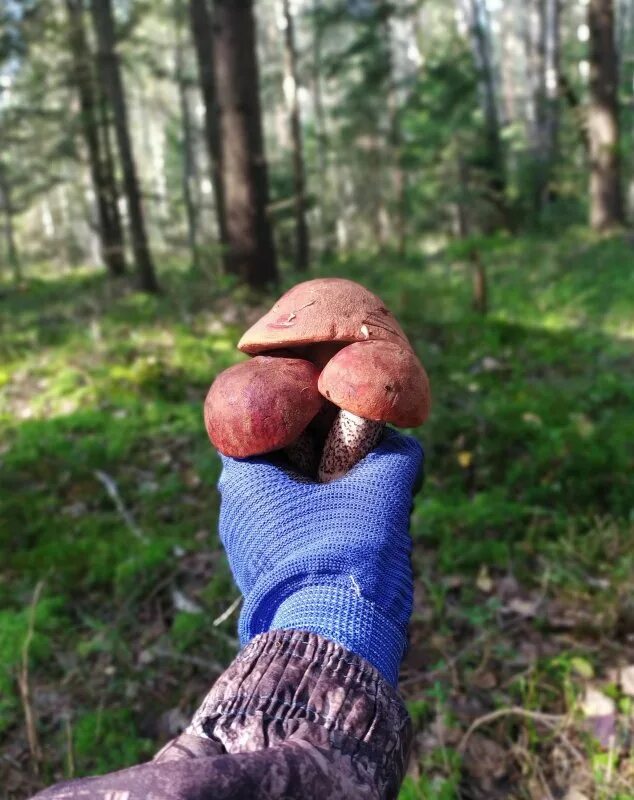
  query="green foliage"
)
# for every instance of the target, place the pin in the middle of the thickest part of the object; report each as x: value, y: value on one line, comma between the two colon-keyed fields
x: 48, y: 617
x: 108, y: 739
x: 528, y: 458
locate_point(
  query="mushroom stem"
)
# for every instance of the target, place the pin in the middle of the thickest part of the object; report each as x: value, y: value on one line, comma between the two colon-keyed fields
x: 303, y: 455
x: 350, y: 439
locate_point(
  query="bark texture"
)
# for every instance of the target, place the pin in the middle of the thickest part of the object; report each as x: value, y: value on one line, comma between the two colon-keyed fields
x: 201, y: 24
x: 302, y: 253
x: 9, y: 234
x: 476, y: 13
x: 189, y: 161
x: 606, y: 204
x: 101, y: 173
x: 112, y: 85
x: 251, y: 251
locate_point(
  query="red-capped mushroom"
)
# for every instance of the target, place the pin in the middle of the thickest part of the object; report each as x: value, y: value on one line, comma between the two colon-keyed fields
x: 369, y: 376
x: 325, y: 310
x: 262, y: 405
x: 372, y: 382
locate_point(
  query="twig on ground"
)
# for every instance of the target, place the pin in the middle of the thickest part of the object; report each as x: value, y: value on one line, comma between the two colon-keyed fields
x: 113, y: 492
x: 227, y: 612
x: 484, y: 638
x: 70, y: 750
x: 25, y: 687
x: 553, y: 721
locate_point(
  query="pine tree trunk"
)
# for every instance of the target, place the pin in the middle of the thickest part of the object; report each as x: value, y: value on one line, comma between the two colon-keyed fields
x: 543, y: 57
x: 9, y: 234
x: 188, y: 173
x: 398, y: 175
x: 326, y: 223
x: 251, y: 252
x: 202, y: 34
x: 110, y: 77
x: 110, y: 232
x: 299, y: 173
x: 482, y: 52
x: 110, y: 183
x: 606, y: 204
x: 552, y: 67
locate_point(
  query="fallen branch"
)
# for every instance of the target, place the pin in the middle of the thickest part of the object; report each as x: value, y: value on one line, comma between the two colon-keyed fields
x: 113, y: 492
x: 552, y: 721
x: 227, y: 612
x: 25, y: 687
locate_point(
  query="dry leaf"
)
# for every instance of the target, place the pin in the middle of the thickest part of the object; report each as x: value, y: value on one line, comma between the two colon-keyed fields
x: 465, y: 458
x: 575, y: 794
x: 525, y: 608
x: 626, y: 679
x: 484, y: 581
x: 485, y: 760
x: 183, y: 603
x: 596, y: 704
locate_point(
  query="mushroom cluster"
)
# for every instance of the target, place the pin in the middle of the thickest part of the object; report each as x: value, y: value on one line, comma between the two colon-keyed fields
x: 330, y: 367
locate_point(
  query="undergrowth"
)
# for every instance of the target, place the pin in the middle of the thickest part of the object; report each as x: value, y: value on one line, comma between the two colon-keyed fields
x: 523, y: 532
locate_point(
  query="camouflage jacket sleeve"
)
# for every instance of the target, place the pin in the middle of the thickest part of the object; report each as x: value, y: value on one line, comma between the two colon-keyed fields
x: 294, y: 716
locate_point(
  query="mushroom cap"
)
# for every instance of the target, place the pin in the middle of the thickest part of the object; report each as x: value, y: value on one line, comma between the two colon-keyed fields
x: 261, y: 405
x: 323, y: 310
x: 380, y: 381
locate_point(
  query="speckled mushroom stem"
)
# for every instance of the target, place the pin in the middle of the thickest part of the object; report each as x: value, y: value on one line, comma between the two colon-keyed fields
x: 350, y: 439
x: 303, y: 455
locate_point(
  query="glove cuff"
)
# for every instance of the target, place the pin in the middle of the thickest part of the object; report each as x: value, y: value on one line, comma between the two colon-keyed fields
x: 341, y: 614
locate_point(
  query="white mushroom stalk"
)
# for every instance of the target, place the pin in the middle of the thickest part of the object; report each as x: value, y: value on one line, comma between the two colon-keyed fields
x: 350, y: 439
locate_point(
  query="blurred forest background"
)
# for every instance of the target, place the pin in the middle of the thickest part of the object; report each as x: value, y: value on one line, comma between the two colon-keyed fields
x: 166, y: 168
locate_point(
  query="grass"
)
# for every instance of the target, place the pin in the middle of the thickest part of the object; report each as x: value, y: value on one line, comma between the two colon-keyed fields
x: 523, y: 532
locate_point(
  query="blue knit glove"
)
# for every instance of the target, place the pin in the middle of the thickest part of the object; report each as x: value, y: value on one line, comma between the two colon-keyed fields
x: 330, y: 558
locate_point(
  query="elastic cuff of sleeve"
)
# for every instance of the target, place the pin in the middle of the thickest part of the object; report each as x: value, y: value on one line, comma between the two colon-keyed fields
x: 345, y: 617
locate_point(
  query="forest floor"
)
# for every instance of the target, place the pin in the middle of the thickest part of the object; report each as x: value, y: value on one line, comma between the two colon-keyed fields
x: 520, y: 675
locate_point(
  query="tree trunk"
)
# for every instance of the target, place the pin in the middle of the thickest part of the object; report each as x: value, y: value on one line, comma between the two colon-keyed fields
x: 251, y: 252
x: 112, y: 85
x: 482, y: 52
x: 480, y: 293
x: 326, y: 223
x: 11, y: 248
x: 188, y: 173
x: 399, y: 177
x: 302, y: 253
x: 543, y: 57
x: 202, y: 34
x: 606, y: 205
x: 110, y: 230
x: 552, y: 66
x: 104, y: 132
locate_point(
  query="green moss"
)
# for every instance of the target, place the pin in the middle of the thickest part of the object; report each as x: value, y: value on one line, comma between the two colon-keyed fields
x: 108, y: 739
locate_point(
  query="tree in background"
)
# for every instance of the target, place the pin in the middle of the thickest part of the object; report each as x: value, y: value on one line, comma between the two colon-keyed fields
x: 11, y: 247
x: 493, y: 156
x: 606, y: 204
x: 101, y: 171
x: 251, y: 251
x: 291, y: 90
x: 112, y: 86
x: 189, y: 169
x: 417, y: 119
x: 202, y: 35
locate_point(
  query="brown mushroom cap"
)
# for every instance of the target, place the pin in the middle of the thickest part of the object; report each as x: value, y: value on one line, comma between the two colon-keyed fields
x: 261, y: 405
x: 323, y: 310
x: 379, y: 381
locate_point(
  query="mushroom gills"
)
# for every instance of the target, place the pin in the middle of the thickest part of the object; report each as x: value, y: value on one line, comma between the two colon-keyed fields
x: 350, y: 439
